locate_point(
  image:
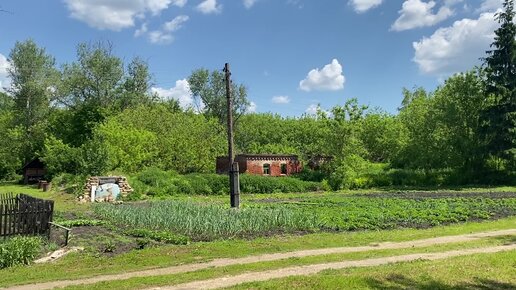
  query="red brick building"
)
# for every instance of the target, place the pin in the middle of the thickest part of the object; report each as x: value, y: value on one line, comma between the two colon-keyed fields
x: 262, y: 164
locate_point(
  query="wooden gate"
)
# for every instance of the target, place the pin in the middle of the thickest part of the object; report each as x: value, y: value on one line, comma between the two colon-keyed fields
x: 24, y: 215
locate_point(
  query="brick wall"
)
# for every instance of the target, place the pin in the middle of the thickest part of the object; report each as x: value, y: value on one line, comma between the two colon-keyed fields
x: 256, y: 167
x: 253, y: 164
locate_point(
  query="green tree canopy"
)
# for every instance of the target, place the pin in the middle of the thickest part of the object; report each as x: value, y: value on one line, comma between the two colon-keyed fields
x: 209, y: 89
x: 499, y: 115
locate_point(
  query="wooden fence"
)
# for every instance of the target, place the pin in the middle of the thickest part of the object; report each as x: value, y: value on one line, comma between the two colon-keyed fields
x: 24, y: 215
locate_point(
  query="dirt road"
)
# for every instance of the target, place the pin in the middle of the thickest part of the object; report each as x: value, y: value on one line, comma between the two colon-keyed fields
x: 279, y: 256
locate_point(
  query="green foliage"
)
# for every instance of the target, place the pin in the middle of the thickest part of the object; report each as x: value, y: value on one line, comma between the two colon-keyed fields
x: 181, y: 141
x: 129, y: 149
x: 207, y: 222
x: 156, y: 182
x: 109, y: 246
x: 32, y: 73
x: 210, y: 89
x: 19, y: 251
x: 81, y: 223
x: 264, y: 184
x: 307, y: 213
x: 69, y: 183
x: 89, y: 159
x: 352, y: 173
x: 312, y: 175
x: 10, y: 147
x: 159, y: 236
x: 499, y: 114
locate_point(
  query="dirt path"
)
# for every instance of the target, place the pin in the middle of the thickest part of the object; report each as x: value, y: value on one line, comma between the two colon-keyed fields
x: 267, y: 257
x: 313, y: 269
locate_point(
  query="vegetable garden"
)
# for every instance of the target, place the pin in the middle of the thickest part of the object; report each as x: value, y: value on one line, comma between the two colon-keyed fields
x: 208, y: 218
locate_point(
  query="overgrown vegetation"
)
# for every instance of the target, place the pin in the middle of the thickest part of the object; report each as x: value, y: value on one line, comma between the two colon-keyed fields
x: 154, y: 182
x: 159, y: 236
x: 19, y: 251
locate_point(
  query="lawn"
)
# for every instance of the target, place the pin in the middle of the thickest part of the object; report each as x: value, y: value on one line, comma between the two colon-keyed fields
x: 481, y: 271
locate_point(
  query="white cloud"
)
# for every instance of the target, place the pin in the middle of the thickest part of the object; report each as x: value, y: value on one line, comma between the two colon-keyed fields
x: 456, y: 48
x: 176, y: 23
x: 4, y: 65
x: 181, y: 92
x: 312, y: 109
x: 141, y: 31
x: 164, y: 35
x: 209, y: 7
x: 490, y: 5
x: 249, y: 3
x: 362, y: 6
x: 281, y: 99
x: 160, y: 37
x: 329, y: 78
x: 252, y: 107
x: 116, y: 14
x: 415, y: 13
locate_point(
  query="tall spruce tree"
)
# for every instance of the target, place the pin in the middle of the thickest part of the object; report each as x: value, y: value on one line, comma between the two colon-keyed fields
x: 499, y: 115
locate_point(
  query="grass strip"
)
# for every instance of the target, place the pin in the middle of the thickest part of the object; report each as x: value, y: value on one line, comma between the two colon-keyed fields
x: 79, y: 265
x: 176, y: 279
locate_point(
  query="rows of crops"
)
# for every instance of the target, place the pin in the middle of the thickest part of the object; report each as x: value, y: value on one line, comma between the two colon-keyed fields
x: 207, y: 222
x: 356, y: 213
x: 335, y: 213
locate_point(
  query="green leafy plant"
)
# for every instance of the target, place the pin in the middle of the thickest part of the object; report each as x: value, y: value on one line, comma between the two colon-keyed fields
x: 109, y: 246
x: 160, y: 236
x: 19, y: 251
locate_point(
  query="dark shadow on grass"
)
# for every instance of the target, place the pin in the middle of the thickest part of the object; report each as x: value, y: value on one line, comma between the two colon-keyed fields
x: 396, y: 281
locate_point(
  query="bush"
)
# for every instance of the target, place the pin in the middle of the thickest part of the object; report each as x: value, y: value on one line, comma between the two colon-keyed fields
x: 69, y: 183
x: 156, y: 182
x: 19, y: 251
x: 160, y: 236
x: 311, y: 175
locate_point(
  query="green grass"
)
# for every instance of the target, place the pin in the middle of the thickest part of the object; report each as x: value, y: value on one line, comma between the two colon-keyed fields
x: 80, y: 264
x: 480, y: 271
x: 63, y: 202
x: 175, y: 279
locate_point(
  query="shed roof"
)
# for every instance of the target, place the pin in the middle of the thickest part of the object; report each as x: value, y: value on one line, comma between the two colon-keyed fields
x: 34, y: 163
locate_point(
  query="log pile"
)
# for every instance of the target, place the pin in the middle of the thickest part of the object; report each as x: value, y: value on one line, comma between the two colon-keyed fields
x: 96, y: 181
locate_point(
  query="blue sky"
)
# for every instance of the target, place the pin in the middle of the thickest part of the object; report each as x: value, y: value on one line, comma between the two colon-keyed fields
x: 292, y: 54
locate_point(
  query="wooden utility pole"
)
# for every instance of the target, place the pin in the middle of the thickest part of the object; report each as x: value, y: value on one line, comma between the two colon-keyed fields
x: 234, y: 182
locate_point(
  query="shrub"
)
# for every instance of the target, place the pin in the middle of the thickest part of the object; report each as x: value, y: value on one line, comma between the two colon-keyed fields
x: 160, y: 236
x: 19, y: 251
x: 72, y: 184
x: 264, y: 184
x: 156, y: 182
x: 311, y: 175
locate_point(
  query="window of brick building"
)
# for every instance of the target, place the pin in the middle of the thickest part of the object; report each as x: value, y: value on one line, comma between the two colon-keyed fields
x: 283, y: 168
x: 266, y: 169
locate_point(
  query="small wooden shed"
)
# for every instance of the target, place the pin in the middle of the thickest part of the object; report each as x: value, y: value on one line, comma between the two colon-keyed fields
x: 34, y: 171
